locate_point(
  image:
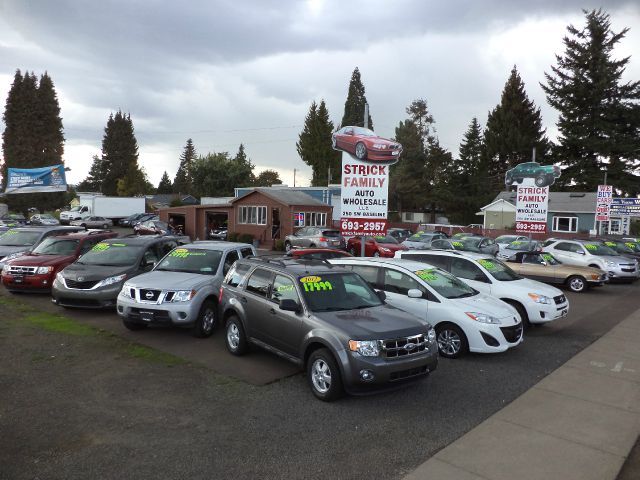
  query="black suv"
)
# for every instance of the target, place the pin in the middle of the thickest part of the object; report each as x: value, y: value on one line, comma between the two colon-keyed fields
x: 329, y: 321
x: 96, y: 278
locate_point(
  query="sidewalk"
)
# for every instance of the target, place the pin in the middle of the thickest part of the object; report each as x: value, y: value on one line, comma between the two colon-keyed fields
x: 580, y: 422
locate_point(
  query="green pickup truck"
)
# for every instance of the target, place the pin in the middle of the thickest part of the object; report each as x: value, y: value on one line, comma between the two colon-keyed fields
x: 543, y: 175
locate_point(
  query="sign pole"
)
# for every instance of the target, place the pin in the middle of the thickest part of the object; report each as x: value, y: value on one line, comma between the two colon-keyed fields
x: 366, y: 125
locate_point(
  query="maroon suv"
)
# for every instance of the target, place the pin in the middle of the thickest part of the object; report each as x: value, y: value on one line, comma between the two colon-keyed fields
x: 36, y: 270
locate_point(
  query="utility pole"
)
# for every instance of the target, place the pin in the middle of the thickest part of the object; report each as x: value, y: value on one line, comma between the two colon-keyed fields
x: 366, y: 125
x: 294, y: 177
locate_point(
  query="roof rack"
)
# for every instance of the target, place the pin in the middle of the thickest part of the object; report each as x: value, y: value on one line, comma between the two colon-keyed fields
x: 268, y: 259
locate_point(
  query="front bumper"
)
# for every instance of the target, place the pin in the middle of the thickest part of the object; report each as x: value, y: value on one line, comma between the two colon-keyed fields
x: 103, y: 297
x: 623, y: 273
x: 28, y: 283
x: 545, y: 313
x: 493, y: 338
x: 387, y: 373
x: 183, y: 313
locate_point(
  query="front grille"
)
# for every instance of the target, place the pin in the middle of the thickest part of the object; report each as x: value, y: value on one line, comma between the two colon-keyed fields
x: 18, y: 270
x: 512, y: 334
x: 79, y: 285
x: 401, y: 347
x: 149, y: 295
x: 559, y: 299
x: 412, y: 372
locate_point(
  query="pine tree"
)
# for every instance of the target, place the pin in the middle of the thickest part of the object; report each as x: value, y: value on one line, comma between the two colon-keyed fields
x: 314, y: 145
x: 599, y: 121
x: 49, y: 126
x: 120, y: 154
x: 241, y: 169
x: 183, y: 181
x: 267, y: 178
x: 514, y: 128
x: 95, y: 178
x: 406, y: 179
x: 440, y: 171
x: 354, y: 106
x: 165, y: 184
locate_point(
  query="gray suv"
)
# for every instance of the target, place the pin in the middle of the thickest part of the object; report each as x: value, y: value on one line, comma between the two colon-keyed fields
x: 182, y: 289
x: 329, y: 321
x: 314, y: 237
x: 96, y: 278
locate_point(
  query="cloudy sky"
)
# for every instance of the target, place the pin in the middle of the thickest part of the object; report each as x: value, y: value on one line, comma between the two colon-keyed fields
x: 229, y: 71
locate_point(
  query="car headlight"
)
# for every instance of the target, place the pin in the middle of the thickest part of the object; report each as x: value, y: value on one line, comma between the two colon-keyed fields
x: 611, y: 264
x: 183, y: 295
x: 540, y: 298
x: 111, y: 280
x: 43, y: 270
x: 5, y: 268
x: 380, y: 146
x: 366, y: 348
x: 126, y: 290
x: 385, y: 249
x: 431, y: 335
x: 59, y: 277
x: 482, y: 317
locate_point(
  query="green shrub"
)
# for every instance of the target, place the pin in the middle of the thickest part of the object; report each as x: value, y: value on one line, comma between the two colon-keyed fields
x: 245, y: 238
x: 233, y: 237
x: 279, y: 245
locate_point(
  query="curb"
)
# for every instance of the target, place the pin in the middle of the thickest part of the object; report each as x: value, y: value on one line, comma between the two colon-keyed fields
x: 579, y: 422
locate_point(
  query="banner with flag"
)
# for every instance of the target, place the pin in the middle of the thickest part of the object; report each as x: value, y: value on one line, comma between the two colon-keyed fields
x: 32, y: 180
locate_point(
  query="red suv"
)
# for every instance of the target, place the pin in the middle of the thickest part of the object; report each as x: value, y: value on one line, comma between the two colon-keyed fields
x: 36, y: 270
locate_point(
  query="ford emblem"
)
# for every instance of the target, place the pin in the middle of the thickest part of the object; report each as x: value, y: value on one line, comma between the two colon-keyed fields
x: 81, y: 279
x: 148, y: 295
x: 410, y: 346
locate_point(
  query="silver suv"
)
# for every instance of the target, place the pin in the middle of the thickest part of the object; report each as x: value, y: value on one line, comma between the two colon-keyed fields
x: 329, y: 321
x: 584, y: 253
x: 314, y: 237
x: 182, y: 289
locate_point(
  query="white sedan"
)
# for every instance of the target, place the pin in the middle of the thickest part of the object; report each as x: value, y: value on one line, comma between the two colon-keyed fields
x: 92, y: 221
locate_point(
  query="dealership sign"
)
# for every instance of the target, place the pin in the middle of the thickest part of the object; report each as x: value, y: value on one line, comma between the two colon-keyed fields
x: 603, y: 202
x: 30, y: 180
x: 625, y: 207
x: 531, y: 209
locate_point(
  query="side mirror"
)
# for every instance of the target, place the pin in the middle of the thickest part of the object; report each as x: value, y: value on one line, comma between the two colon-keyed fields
x: 381, y: 295
x: 581, y: 252
x: 289, y: 305
x: 414, y: 293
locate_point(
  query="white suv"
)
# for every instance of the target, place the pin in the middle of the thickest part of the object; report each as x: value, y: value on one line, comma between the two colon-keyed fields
x: 464, y: 319
x: 593, y: 254
x: 536, y: 302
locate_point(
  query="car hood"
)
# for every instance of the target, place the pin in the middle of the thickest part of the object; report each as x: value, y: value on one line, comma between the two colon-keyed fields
x: 8, y: 250
x: 482, y: 303
x: 616, y: 258
x: 170, y: 280
x: 534, y: 286
x: 375, y: 323
x: 94, y: 272
x: 409, y: 243
x: 29, y: 260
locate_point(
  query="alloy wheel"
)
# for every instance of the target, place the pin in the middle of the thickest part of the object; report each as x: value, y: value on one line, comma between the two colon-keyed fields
x: 321, y: 376
x: 233, y: 336
x: 449, y: 342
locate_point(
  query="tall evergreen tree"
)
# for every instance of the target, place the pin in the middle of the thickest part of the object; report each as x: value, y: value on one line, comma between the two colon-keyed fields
x: 33, y: 135
x: 183, y: 181
x: 599, y: 121
x: 354, y: 105
x: 120, y: 154
x: 514, y: 128
x: 314, y: 145
x: 241, y: 168
x: 95, y: 178
x: 165, y: 184
x: 440, y: 171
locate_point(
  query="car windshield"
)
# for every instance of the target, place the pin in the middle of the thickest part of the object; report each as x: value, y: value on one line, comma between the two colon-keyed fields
x: 191, y: 260
x: 19, y: 238
x: 634, y: 246
x: 619, y: 247
x: 385, y: 239
x: 445, y: 284
x: 114, y: 254
x: 469, y: 244
x: 498, y: 270
x: 420, y: 237
x: 337, y: 291
x: 56, y: 246
x: 506, y: 238
x: 599, y: 249
x: 521, y: 246
x: 365, y: 132
x: 46, y: 216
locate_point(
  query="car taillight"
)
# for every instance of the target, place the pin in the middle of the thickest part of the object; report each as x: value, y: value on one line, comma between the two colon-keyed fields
x: 323, y: 239
x: 220, y: 295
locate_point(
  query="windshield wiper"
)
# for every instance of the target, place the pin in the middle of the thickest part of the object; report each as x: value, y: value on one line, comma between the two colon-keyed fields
x: 329, y: 309
x: 463, y: 295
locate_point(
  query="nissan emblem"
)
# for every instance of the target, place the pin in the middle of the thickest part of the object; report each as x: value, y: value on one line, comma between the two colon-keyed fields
x: 148, y: 295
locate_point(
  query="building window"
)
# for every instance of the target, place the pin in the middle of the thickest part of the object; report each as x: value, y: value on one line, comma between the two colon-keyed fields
x: 309, y: 219
x: 408, y: 216
x: 565, y: 224
x: 252, y: 215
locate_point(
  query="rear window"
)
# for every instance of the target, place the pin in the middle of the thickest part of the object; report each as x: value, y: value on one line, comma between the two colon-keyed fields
x: 331, y: 233
x: 236, y: 274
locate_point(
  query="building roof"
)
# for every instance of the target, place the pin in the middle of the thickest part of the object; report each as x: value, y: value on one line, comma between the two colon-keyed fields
x: 567, y: 202
x: 286, y: 197
x: 167, y: 198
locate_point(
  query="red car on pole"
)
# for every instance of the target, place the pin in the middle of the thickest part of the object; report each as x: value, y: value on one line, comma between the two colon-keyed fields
x: 364, y: 144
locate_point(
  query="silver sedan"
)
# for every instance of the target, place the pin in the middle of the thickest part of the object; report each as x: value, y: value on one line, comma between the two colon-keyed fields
x: 92, y: 221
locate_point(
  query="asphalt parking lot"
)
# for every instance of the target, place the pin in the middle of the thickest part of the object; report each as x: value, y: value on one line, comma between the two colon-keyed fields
x: 255, y: 417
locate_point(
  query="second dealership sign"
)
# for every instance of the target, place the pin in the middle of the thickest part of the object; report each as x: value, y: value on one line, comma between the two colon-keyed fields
x: 531, y: 209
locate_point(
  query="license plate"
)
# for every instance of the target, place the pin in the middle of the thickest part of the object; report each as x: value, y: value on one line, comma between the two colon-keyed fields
x: 395, y: 152
x: 146, y: 316
x: 18, y: 279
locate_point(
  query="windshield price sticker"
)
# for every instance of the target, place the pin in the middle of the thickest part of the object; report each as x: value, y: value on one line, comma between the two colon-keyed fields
x: 119, y: 244
x: 317, y: 286
x: 100, y: 247
x: 428, y: 275
x: 610, y: 244
x: 630, y: 244
x: 517, y: 242
x: 10, y: 232
x: 488, y: 264
x: 285, y: 288
x: 547, y: 257
x: 591, y: 246
x: 457, y: 244
x: 184, y: 253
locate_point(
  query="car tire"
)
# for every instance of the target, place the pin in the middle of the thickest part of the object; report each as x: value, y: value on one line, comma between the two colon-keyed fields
x: 452, y: 342
x: 361, y: 151
x: 324, y: 376
x: 206, y: 321
x: 519, y: 180
x: 235, y: 338
x: 287, y: 246
x: 376, y: 253
x: 312, y: 245
x: 521, y: 311
x: 105, y: 226
x: 508, y: 180
x: 134, y: 325
x: 84, y: 225
x: 541, y: 180
x: 577, y: 284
